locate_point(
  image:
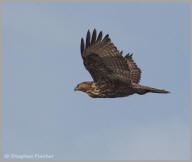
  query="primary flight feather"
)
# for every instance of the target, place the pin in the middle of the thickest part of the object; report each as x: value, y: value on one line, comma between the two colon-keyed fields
x: 113, y: 75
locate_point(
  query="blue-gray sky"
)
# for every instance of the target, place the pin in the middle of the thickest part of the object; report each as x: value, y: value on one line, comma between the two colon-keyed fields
x: 42, y: 65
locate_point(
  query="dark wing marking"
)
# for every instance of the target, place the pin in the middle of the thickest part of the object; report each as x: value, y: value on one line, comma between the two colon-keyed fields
x: 135, y: 72
x: 102, y: 59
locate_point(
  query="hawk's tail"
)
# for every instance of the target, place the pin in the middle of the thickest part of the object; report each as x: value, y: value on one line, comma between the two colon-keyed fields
x: 144, y: 89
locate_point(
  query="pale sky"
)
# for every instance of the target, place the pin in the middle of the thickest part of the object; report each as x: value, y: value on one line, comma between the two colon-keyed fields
x: 42, y: 65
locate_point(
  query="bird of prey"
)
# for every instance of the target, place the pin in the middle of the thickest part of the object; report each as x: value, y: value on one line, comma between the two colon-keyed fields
x: 114, y: 75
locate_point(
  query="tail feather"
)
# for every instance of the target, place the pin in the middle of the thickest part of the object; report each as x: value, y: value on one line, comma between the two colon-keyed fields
x: 144, y: 89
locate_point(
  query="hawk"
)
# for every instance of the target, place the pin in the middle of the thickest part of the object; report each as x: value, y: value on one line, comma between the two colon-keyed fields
x: 114, y: 75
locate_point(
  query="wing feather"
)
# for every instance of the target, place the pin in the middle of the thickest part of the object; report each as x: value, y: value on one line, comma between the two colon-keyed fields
x: 135, y: 71
x: 82, y: 45
x: 88, y: 39
x: 94, y: 37
x: 102, y: 59
x: 99, y: 38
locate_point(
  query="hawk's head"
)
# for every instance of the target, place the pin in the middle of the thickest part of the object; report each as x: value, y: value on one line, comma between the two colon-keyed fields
x: 84, y: 86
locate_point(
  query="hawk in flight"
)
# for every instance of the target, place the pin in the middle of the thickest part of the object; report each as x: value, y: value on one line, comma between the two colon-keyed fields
x: 113, y: 74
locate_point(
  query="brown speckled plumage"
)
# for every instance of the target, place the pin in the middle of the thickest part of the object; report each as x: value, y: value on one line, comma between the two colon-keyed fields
x: 113, y: 75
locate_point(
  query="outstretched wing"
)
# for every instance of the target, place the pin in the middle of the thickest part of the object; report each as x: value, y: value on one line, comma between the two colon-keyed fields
x: 135, y: 72
x: 102, y: 59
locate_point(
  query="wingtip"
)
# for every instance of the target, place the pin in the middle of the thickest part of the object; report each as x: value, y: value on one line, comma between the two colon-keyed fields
x: 88, y: 32
x: 99, y: 38
x: 82, y: 45
x: 88, y: 39
x: 94, y: 35
x: 106, y: 38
